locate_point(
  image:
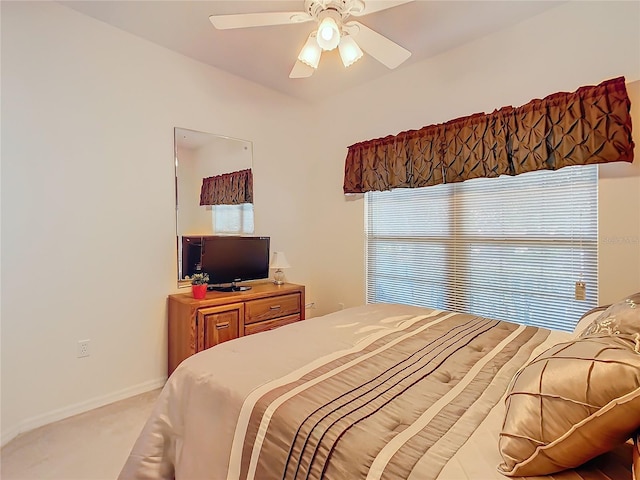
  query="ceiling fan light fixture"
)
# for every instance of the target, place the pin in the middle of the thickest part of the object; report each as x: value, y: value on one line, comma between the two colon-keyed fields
x: 333, y: 28
x: 328, y: 31
x: 310, y: 53
x: 349, y: 51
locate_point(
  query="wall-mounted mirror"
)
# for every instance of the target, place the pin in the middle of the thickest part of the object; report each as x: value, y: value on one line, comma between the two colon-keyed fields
x: 200, y: 155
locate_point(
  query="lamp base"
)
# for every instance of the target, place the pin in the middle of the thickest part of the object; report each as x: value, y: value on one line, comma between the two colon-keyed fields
x: 278, y: 277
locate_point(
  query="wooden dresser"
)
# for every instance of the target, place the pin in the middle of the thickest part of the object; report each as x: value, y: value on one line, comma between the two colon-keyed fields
x: 195, y: 325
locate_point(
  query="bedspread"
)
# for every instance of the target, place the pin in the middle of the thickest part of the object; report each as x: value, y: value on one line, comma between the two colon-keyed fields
x: 375, y: 411
x: 376, y: 392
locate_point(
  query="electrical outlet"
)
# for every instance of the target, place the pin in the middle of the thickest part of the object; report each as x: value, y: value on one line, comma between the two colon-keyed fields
x: 83, y: 348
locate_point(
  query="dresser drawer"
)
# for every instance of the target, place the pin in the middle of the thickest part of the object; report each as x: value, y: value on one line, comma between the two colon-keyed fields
x: 270, y: 324
x: 272, y: 307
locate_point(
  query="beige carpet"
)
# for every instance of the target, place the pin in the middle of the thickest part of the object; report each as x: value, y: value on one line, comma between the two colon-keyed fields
x: 92, y: 445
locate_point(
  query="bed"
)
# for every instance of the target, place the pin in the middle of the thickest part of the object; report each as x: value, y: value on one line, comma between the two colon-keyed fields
x: 385, y: 391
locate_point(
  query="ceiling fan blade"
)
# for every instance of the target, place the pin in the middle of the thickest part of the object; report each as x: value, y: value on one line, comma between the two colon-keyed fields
x: 301, y: 70
x: 371, y: 6
x: 378, y: 46
x: 242, y: 20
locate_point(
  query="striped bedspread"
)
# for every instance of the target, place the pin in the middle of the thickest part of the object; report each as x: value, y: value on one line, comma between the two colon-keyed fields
x: 378, y: 409
x: 379, y: 391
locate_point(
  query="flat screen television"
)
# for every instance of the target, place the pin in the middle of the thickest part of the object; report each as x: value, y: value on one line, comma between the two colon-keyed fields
x: 227, y: 259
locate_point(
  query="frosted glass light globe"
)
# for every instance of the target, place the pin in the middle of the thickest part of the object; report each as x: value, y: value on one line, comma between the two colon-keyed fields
x: 328, y: 34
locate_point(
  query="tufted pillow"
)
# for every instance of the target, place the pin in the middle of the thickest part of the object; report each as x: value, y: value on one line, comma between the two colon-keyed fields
x: 622, y: 317
x: 636, y: 456
x: 572, y: 403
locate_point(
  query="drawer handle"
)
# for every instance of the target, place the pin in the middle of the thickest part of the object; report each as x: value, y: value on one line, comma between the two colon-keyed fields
x: 274, y: 307
x: 220, y: 326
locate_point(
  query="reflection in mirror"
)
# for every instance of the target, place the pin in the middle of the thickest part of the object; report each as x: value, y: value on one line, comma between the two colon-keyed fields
x: 200, y: 155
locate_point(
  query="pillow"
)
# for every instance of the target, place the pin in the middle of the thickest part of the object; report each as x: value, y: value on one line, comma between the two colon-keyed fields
x: 575, y: 401
x: 636, y: 456
x: 587, y: 319
x: 621, y: 318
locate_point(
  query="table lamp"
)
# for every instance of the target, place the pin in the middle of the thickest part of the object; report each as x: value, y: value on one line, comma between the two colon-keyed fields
x: 279, y: 261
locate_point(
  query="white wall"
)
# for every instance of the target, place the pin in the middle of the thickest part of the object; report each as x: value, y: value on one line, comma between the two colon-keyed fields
x: 575, y: 44
x: 87, y: 179
x: 88, y: 219
x: 619, y: 219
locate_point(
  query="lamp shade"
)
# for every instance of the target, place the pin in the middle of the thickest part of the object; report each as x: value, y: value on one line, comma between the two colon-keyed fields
x: 328, y: 32
x: 279, y: 261
x: 349, y: 51
x: 310, y: 53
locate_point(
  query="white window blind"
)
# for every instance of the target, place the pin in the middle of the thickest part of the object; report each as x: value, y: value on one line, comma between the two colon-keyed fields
x: 509, y: 248
x: 233, y: 219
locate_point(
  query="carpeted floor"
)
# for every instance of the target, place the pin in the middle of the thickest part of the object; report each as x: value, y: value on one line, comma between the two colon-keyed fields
x: 92, y: 445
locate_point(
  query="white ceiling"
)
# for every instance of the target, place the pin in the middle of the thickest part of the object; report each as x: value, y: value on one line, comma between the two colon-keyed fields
x: 265, y: 55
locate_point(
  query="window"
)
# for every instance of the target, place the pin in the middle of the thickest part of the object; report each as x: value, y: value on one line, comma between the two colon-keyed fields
x: 510, y: 248
x: 233, y: 219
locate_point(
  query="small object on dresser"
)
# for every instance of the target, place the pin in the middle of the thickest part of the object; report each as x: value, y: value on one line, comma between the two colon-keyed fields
x: 279, y: 261
x: 199, y: 283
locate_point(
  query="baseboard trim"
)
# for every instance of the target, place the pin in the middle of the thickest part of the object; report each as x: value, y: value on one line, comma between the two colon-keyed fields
x: 77, y: 408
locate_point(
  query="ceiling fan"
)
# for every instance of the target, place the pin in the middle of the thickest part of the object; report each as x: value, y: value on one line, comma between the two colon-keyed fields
x: 333, y: 30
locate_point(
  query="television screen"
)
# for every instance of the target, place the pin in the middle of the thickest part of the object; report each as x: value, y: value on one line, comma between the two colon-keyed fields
x: 231, y: 259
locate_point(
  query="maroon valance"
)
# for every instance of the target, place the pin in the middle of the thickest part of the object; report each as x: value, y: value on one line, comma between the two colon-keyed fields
x: 590, y: 125
x: 232, y: 188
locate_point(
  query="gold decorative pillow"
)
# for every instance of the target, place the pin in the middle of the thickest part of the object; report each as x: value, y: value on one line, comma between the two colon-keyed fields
x: 636, y: 456
x: 587, y: 319
x: 621, y: 318
x: 572, y: 403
